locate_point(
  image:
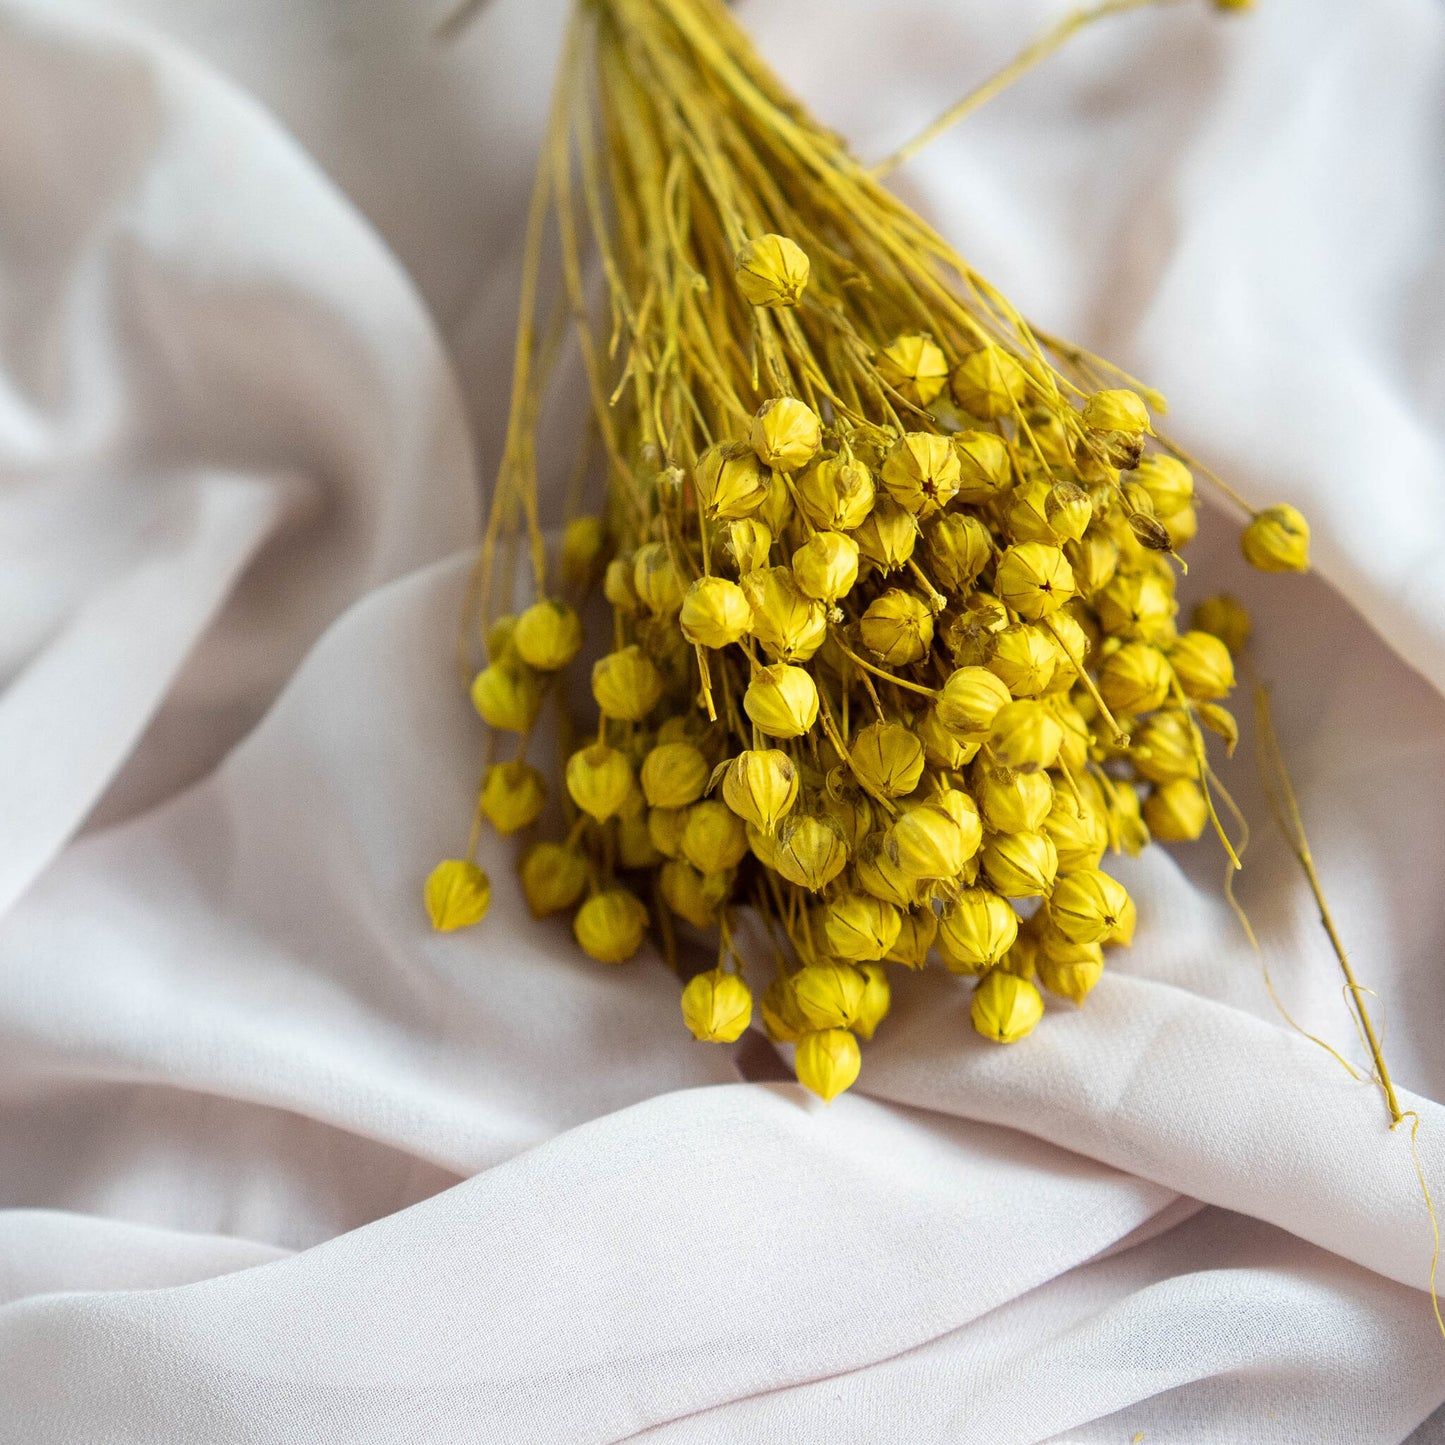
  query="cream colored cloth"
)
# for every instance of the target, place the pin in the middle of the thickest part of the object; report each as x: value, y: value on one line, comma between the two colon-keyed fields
x: 277, y: 1164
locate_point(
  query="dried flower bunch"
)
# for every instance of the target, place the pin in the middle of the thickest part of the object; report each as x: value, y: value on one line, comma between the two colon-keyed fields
x: 894, y: 655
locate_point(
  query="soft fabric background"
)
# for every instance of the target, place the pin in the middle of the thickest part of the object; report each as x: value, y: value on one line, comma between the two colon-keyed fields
x: 279, y: 1165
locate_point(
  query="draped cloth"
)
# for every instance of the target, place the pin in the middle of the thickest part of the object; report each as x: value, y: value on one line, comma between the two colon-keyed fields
x: 279, y: 1164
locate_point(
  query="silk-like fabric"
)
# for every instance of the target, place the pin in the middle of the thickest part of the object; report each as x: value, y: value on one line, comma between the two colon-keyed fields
x: 278, y: 1164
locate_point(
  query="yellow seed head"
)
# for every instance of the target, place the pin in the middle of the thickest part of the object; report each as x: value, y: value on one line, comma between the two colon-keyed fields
x: 1024, y: 658
x: 674, y: 775
x: 877, y: 997
x: 932, y: 841
x: 989, y: 383
x: 715, y: 612
x: 850, y: 809
x: 782, y: 701
x: 921, y: 472
x: 1021, y: 865
x: 626, y: 684
x: 916, y: 368
x: 1013, y: 802
x: 731, y: 482
x: 1277, y: 540
x: 782, y: 1017
x: 771, y: 271
x: 880, y: 874
x: 764, y: 847
x: 553, y: 878
x: 512, y: 796
x: 1165, y: 747
x: 790, y: 625
x: 499, y: 639
x: 970, y: 701
x: 584, y: 551
x: 714, y: 839
x: 1125, y: 818
x: 940, y: 746
x: 599, y: 780
x: 1079, y: 834
x: 887, y: 759
x: 610, y: 926
x: 760, y: 786
x: 634, y: 842
x: 859, y: 927
x: 984, y: 471
x: 691, y: 894
x: 1116, y: 411
x: 976, y: 930
x: 617, y: 586
x: 665, y: 827
x: 958, y: 549
x: 1006, y: 1007
x: 825, y: 567
x: 1068, y: 510
x: 1203, y: 666
x: 1137, y: 605
x: 1094, y: 559
x: 1074, y: 753
x: 1025, y: 736
x: 458, y: 894
x: 836, y: 493
x: 915, y: 938
x: 656, y: 580
x: 1027, y: 517
x: 717, y: 1007
x: 1176, y: 812
x: 887, y: 536
x: 827, y: 1061
x: 897, y: 628
x: 810, y: 851
x: 1072, y: 980
x: 777, y: 509
x: 1088, y: 906
x: 1069, y: 640
x: 829, y: 995
x: 1169, y: 483
x: 748, y: 543
x: 786, y: 434
x: 1034, y: 579
x: 508, y: 696
x: 548, y: 635
x: 1135, y: 679
x: 1182, y: 527
x: 1226, y: 617
x: 1023, y: 958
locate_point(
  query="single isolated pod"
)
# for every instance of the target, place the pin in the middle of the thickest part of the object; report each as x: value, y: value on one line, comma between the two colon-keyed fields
x: 458, y: 894
x: 1277, y: 540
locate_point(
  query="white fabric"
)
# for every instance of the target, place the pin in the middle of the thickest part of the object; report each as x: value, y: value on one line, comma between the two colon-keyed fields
x: 277, y: 1164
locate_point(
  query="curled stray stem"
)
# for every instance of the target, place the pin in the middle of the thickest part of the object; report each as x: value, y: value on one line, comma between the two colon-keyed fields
x: 1285, y: 807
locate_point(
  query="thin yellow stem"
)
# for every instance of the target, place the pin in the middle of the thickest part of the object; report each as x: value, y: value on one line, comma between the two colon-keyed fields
x: 1037, y: 50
